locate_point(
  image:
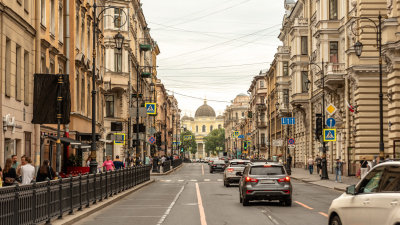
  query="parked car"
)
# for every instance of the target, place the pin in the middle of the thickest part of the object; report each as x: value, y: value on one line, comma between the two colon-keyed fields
x: 202, y: 160
x: 374, y: 200
x: 217, y: 165
x: 265, y: 181
x: 234, y: 166
x: 197, y: 160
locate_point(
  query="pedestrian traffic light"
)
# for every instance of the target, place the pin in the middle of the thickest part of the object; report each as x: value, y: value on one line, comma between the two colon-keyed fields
x: 181, y: 149
x: 245, y: 145
x: 158, y: 139
x: 318, y: 124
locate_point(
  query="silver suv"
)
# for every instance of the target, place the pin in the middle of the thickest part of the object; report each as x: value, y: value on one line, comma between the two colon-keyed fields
x: 234, y: 166
x: 265, y: 181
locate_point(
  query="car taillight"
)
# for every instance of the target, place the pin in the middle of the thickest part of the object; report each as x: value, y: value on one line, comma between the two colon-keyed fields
x: 249, y: 192
x: 287, y: 191
x: 214, y: 165
x: 230, y: 170
x: 267, y: 165
x: 285, y: 179
x: 249, y: 179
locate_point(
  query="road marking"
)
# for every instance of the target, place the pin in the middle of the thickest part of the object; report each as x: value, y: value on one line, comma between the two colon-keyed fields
x: 162, y: 180
x: 201, y: 208
x: 206, y: 179
x: 168, y: 181
x: 170, y: 206
x: 126, y: 216
x: 180, y: 180
x: 323, y: 214
x: 202, y: 169
x: 194, y: 180
x: 305, y: 206
x: 219, y: 179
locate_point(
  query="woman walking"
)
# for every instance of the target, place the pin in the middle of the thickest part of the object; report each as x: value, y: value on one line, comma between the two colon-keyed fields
x: 9, y: 173
x: 45, y: 171
x: 109, y: 164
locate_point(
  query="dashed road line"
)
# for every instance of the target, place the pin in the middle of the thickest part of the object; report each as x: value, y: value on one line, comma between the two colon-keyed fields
x: 324, y: 214
x: 168, y: 181
x: 194, y: 180
x: 180, y: 180
x: 219, y: 179
x: 170, y: 206
x: 206, y: 179
x: 305, y: 206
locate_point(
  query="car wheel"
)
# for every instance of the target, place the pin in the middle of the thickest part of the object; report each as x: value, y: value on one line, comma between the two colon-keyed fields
x: 336, y: 221
x: 211, y: 171
x: 227, y: 184
x: 240, y: 196
x: 288, y: 202
x: 224, y: 183
x: 245, y: 202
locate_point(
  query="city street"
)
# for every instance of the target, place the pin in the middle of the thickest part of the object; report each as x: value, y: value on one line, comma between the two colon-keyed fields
x: 192, y: 195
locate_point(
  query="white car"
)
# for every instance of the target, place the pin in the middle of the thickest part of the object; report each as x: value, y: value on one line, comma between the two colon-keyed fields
x: 197, y: 160
x: 234, y: 166
x: 374, y: 200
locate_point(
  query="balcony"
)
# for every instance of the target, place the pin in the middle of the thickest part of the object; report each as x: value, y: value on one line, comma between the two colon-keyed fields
x: 262, y: 125
x: 145, y: 44
x: 146, y: 72
x: 261, y: 106
x: 299, y: 98
x: 301, y: 22
x: 333, y: 77
x: 283, y: 49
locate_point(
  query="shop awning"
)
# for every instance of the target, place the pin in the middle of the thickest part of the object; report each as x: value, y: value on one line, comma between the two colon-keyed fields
x: 85, y: 147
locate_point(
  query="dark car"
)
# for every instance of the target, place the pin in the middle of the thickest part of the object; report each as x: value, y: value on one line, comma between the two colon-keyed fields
x: 265, y: 181
x: 217, y: 165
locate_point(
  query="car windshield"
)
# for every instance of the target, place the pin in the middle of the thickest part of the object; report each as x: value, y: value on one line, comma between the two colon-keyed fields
x: 238, y: 164
x: 219, y: 162
x: 273, y: 170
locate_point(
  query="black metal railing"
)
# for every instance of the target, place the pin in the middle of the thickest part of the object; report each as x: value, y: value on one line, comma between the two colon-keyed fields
x: 39, y: 202
x: 186, y: 160
x: 166, y: 166
x: 176, y: 163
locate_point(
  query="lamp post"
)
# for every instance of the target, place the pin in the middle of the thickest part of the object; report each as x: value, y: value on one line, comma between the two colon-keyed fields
x: 324, y: 164
x: 358, y: 46
x: 165, y: 128
x: 172, y: 138
x: 119, y: 40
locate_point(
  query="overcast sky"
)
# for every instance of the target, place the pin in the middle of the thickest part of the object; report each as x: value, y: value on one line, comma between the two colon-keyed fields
x: 212, y: 48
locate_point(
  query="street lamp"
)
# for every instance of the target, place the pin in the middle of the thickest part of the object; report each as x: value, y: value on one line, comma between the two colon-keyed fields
x: 308, y: 84
x: 358, y: 46
x: 119, y: 40
x: 152, y: 88
x: 277, y: 106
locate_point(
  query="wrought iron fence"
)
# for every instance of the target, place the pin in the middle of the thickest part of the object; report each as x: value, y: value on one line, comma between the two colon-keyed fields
x: 166, y: 166
x: 176, y: 163
x: 39, y: 202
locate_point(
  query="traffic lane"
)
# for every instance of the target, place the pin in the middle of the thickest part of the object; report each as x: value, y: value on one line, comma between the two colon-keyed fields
x: 146, y: 206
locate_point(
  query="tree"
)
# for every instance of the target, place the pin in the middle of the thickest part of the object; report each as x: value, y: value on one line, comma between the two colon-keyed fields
x: 189, y: 143
x: 214, y: 139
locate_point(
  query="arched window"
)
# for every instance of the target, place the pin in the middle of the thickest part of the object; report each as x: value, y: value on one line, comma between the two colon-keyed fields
x: 197, y: 128
x: 203, y: 128
x: 211, y: 128
x: 219, y: 126
x: 242, y: 114
x: 236, y: 115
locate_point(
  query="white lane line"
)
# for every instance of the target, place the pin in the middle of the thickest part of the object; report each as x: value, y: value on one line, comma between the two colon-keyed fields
x: 206, y: 179
x: 194, y: 180
x: 168, y: 181
x: 170, y: 206
x: 201, y: 208
x: 125, y: 216
x: 180, y: 180
x: 219, y: 179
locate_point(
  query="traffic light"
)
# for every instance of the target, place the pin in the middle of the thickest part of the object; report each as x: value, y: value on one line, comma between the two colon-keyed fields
x: 158, y: 139
x: 318, y: 125
x: 181, y: 149
x: 245, y: 145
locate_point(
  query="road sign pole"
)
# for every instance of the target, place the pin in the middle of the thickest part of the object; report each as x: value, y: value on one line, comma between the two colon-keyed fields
x: 324, y: 164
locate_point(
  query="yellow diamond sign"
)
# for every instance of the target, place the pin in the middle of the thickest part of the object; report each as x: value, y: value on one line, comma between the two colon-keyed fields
x: 331, y: 109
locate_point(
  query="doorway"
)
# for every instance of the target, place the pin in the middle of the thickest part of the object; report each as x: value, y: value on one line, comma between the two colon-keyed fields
x: 351, y: 162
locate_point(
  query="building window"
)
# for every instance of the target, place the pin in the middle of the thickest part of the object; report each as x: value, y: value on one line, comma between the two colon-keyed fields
x: 261, y: 84
x: 117, y: 18
x: 8, y: 68
x: 197, y: 129
x: 286, y: 97
x: 261, y: 99
x: 18, y: 67
x: 43, y: 12
x: 52, y: 18
x: 83, y: 95
x: 237, y: 116
x: 333, y: 51
x: 109, y: 105
x: 118, y: 60
x: 262, y: 138
x: 333, y: 11
x: 304, y: 77
x: 83, y: 36
x: 242, y: 114
x: 77, y: 31
x: 211, y: 128
x: 60, y: 23
x: 26, y: 78
x: 77, y: 90
x: 88, y: 99
x: 203, y: 128
x: 285, y: 68
x: 88, y: 43
x: 304, y: 50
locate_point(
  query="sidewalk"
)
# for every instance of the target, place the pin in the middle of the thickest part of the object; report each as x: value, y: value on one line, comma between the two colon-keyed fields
x: 162, y: 172
x: 305, y: 176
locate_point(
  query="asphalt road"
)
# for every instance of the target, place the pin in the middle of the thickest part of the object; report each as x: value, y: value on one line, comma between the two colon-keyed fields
x: 193, y: 196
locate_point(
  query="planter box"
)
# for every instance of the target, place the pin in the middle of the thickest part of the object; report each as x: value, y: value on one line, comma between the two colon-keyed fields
x: 79, y: 169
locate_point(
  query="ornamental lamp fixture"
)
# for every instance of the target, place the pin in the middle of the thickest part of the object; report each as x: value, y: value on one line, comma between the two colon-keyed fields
x: 308, y: 84
x: 358, y: 46
x: 152, y: 87
x: 119, y: 40
x: 277, y: 106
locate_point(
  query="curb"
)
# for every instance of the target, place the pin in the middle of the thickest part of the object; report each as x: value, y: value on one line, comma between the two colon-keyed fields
x: 167, y: 173
x: 79, y: 215
x: 309, y: 182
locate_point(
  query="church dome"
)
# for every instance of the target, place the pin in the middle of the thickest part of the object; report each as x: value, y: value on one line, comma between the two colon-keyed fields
x: 185, y: 117
x: 220, y: 117
x: 205, y: 110
x: 241, y: 94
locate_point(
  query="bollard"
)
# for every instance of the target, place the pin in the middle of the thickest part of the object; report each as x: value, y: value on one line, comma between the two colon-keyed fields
x: 60, y: 198
x: 80, y: 193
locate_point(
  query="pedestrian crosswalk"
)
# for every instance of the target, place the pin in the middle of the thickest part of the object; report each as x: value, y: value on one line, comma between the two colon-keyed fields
x: 181, y: 181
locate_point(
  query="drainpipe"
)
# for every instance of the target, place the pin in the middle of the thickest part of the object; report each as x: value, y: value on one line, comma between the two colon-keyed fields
x: 346, y: 95
x: 311, y: 141
x: 37, y: 70
x: 67, y: 70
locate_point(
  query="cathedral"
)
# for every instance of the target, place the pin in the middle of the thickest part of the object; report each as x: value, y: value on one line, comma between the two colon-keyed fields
x: 204, y: 121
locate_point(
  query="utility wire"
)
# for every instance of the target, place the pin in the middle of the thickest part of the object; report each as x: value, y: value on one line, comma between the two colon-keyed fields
x: 215, y: 66
x: 195, y: 97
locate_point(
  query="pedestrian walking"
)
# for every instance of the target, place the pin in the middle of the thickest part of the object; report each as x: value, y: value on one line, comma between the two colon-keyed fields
x: 9, y: 173
x: 310, y: 165
x: 162, y: 162
x: 318, y: 160
x: 151, y: 161
x: 108, y: 164
x: 118, y: 164
x: 27, y: 171
x: 45, y: 171
x: 15, y: 163
x: 147, y: 160
x: 338, y: 170
x: 88, y: 160
x: 364, y: 167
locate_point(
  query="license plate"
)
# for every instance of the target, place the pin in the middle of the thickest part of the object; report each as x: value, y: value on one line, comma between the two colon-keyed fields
x: 267, y: 182
x: 219, y: 166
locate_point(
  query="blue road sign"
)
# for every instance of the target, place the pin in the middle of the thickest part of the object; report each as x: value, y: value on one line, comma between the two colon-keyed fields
x: 330, y: 122
x: 151, y: 108
x: 288, y: 121
x: 329, y: 134
x: 291, y: 141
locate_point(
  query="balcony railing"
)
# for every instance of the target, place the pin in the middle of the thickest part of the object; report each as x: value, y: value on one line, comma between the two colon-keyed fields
x: 145, y: 44
x: 262, y: 125
x: 283, y: 49
x: 146, y: 72
x: 335, y: 68
x: 301, y: 21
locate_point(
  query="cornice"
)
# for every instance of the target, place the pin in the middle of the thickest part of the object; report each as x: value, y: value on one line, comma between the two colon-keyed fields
x: 17, y: 18
x: 45, y: 43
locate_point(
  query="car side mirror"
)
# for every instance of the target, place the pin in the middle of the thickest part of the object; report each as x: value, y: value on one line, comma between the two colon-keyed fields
x: 351, y: 190
x: 239, y: 173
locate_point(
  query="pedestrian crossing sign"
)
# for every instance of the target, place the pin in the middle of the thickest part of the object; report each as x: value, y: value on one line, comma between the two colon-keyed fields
x: 151, y: 108
x: 329, y: 134
x: 120, y: 142
x: 187, y: 137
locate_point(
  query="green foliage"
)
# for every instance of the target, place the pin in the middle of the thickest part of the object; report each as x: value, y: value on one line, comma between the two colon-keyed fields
x: 214, y: 139
x: 189, y: 143
x: 74, y: 160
